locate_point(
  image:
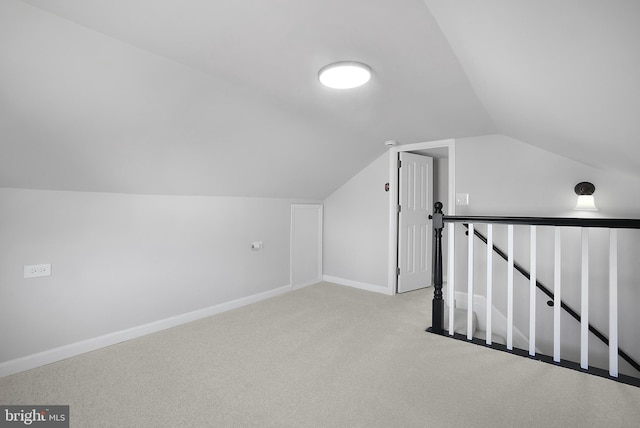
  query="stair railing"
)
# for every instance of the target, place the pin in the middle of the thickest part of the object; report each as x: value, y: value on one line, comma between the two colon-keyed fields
x: 437, y: 324
x: 568, y: 309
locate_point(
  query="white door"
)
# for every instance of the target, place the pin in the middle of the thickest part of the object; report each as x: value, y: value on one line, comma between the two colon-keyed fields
x: 414, y: 226
x: 306, y: 245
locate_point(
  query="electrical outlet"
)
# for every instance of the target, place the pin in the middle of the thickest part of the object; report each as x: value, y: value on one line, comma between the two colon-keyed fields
x: 256, y: 246
x: 32, y: 271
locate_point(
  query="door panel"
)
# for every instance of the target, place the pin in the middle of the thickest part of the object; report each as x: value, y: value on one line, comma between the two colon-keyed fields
x: 414, y: 226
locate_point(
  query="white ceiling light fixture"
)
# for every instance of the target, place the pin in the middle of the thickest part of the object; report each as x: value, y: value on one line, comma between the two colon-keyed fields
x: 344, y: 75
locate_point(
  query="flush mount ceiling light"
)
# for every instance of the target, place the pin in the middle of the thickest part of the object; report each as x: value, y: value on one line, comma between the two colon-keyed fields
x: 345, y: 75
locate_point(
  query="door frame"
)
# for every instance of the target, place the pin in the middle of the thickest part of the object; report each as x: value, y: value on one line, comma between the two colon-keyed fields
x: 450, y: 145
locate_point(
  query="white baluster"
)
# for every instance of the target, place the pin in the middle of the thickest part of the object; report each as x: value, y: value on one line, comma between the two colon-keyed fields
x: 451, y: 294
x: 470, y: 286
x: 557, y: 270
x: 584, y: 316
x: 532, y: 293
x: 510, y: 287
x: 489, y: 281
x: 613, y: 302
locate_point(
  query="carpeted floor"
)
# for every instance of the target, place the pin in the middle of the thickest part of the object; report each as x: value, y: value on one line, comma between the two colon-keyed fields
x: 322, y: 356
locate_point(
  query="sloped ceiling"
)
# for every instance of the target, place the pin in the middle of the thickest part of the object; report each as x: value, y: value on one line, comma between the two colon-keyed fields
x: 221, y: 97
x: 218, y: 97
x: 561, y: 75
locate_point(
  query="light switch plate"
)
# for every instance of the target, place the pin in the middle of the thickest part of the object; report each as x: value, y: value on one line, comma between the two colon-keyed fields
x: 462, y: 199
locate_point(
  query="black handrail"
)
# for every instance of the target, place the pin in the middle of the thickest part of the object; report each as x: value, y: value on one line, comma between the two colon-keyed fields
x: 550, y: 294
x: 610, y: 223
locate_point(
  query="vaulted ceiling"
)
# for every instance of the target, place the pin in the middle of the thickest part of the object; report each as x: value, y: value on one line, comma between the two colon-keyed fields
x: 561, y: 75
x: 222, y: 98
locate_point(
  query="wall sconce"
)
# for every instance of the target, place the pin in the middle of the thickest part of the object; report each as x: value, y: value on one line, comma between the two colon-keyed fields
x: 586, y: 202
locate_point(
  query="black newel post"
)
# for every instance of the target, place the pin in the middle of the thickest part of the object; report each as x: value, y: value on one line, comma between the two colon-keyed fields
x: 437, y: 319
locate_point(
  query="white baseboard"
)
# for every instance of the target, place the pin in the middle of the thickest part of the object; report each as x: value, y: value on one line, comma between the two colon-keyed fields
x: 306, y: 284
x: 356, y: 284
x: 63, y: 352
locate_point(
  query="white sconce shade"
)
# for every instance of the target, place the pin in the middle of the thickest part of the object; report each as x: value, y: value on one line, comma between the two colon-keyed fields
x: 344, y: 75
x: 586, y: 201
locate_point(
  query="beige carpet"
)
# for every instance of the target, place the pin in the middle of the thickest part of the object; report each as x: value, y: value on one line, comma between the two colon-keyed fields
x: 323, y: 356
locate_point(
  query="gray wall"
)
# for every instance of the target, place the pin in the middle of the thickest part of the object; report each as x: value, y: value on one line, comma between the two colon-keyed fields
x: 356, y: 223
x: 356, y: 227
x: 120, y: 261
x: 506, y: 176
x: 441, y: 178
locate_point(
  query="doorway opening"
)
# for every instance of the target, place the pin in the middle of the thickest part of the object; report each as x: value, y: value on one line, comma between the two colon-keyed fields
x: 415, y: 203
x: 443, y: 154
